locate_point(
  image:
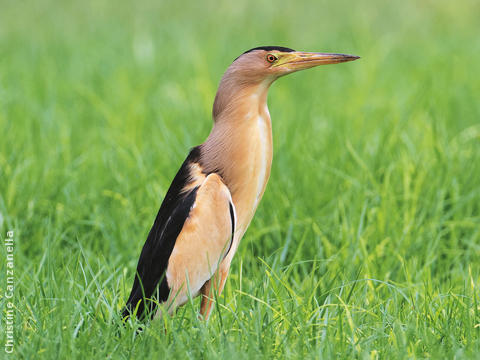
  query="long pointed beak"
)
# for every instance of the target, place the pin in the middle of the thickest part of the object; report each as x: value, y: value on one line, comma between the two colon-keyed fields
x: 298, y: 60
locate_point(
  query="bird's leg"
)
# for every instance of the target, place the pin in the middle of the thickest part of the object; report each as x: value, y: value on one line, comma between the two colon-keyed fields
x: 216, y: 283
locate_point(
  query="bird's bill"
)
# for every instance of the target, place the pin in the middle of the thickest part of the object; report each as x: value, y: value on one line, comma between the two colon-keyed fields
x: 298, y: 60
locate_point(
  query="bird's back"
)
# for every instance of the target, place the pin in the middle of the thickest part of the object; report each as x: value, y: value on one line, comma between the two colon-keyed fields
x: 191, y: 235
x: 158, y: 247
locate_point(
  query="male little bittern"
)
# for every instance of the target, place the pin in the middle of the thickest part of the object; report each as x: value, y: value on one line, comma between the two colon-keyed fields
x: 214, y: 195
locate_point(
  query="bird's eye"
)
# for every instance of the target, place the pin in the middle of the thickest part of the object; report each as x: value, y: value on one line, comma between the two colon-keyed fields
x: 271, y: 58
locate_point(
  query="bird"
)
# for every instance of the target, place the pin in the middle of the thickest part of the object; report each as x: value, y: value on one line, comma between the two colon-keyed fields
x: 215, y: 193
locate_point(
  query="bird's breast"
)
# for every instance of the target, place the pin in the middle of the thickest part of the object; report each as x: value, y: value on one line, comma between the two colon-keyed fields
x: 241, y: 151
x: 251, y: 169
x: 263, y: 158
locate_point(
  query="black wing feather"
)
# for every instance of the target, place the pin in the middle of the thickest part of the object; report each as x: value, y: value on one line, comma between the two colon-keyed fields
x: 158, y: 247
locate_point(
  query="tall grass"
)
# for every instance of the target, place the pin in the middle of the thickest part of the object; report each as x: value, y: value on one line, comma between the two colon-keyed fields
x: 367, y: 241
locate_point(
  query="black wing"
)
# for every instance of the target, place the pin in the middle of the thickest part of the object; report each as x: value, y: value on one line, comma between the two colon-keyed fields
x: 154, y: 257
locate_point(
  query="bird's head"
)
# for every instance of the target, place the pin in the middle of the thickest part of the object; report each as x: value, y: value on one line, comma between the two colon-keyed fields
x: 256, y: 69
x: 267, y: 63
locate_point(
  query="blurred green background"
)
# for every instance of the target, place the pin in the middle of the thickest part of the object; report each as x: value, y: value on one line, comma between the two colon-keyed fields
x: 366, y: 243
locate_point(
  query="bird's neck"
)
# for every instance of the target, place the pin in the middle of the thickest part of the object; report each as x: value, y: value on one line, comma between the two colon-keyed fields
x: 234, y: 99
x: 239, y: 146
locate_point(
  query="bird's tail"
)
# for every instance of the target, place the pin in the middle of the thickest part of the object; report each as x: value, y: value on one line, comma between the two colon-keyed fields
x: 143, y: 301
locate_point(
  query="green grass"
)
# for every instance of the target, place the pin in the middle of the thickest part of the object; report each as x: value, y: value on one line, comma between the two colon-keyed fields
x: 367, y: 242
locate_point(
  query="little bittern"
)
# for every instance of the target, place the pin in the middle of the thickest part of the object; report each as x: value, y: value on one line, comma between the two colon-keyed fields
x: 214, y: 195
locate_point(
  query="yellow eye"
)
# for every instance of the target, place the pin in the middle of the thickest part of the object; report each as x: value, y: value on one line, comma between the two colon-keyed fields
x: 271, y: 58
